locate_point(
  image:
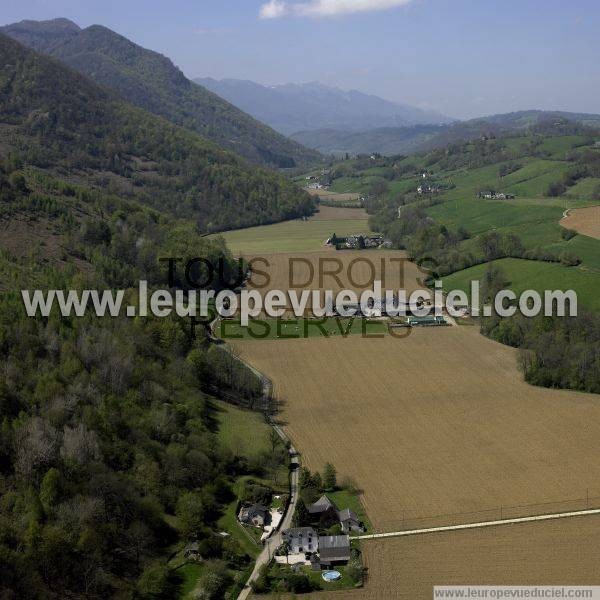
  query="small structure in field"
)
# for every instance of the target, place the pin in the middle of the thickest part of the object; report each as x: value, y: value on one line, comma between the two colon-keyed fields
x: 491, y: 195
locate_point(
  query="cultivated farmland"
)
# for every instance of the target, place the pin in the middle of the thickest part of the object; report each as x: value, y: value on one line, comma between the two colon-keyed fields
x: 336, y: 271
x: 334, y: 196
x: 584, y: 220
x: 551, y: 553
x: 434, y: 424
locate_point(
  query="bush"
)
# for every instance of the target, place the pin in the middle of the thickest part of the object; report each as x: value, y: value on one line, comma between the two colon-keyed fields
x: 567, y: 234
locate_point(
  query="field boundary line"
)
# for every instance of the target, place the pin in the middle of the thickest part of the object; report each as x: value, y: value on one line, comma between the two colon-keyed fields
x: 480, y: 525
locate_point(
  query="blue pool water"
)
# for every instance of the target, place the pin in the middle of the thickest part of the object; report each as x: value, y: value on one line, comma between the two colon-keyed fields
x: 331, y: 576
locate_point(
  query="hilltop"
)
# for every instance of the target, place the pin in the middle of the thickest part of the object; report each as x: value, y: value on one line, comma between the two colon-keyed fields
x: 151, y: 81
x: 405, y: 140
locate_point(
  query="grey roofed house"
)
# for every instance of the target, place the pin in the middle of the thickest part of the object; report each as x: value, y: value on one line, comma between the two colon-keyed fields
x: 255, y: 514
x: 349, y: 520
x: 301, y: 539
x: 192, y: 549
x: 334, y: 549
x: 322, y: 505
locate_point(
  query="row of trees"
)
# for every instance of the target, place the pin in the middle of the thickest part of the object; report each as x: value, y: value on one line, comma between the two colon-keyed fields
x: 558, y: 352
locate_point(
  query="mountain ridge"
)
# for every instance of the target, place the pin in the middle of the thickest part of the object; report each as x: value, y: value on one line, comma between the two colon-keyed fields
x: 151, y: 81
x: 291, y: 108
x: 59, y: 121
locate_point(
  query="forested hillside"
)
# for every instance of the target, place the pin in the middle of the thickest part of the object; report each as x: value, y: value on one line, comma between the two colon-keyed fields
x: 56, y: 120
x: 114, y: 452
x: 151, y: 81
x: 111, y: 454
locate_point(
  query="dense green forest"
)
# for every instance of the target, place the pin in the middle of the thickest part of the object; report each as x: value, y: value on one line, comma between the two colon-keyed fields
x: 111, y: 458
x: 54, y: 119
x: 112, y: 455
x: 151, y: 81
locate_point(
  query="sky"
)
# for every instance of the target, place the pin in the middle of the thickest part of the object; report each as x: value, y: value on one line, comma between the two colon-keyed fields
x: 464, y: 58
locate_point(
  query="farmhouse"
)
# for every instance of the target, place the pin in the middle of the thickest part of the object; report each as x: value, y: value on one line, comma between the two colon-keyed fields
x: 349, y: 521
x: 254, y: 514
x: 364, y: 241
x: 323, y: 506
x: 334, y: 550
x: 301, y: 539
x: 428, y: 189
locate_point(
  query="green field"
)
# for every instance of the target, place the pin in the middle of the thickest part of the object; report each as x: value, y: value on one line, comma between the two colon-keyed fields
x: 242, y: 431
x: 273, y: 329
x: 533, y: 275
x: 291, y: 236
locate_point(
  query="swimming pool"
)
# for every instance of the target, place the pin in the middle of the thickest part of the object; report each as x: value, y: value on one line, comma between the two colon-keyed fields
x: 330, y: 576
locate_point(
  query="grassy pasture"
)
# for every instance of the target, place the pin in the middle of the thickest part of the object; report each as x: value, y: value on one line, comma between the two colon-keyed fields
x: 298, y: 235
x: 276, y: 329
x: 244, y: 432
x: 584, y: 188
x: 533, y: 275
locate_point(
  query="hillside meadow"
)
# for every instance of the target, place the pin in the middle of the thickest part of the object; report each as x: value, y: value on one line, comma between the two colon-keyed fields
x: 522, y: 275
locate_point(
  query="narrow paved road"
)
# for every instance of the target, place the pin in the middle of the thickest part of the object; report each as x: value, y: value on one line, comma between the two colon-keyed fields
x: 566, y: 515
x: 273, y: 542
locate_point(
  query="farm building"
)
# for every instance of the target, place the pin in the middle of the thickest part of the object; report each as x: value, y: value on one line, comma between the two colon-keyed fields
x: 334, y: 550
x: 428, y: 189
x: 301, y: 539
x: 349, y: 521
x: 323, y: 506
x: 491, y: 195
x: 428, y: 321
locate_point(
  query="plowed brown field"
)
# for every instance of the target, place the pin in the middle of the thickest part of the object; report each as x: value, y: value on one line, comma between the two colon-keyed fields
x: 336, y: 271
x: 584, y: 220
x: 435, y: 424
x: 551, y: 553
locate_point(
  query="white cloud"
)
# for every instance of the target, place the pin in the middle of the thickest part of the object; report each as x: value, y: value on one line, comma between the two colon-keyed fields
x: 273, y: 9
x: 325, y: 8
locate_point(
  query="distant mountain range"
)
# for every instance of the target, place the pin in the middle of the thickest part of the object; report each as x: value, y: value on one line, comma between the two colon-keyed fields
x: 294, y: 108
x: 405, y: 140
x: 151, y: 81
